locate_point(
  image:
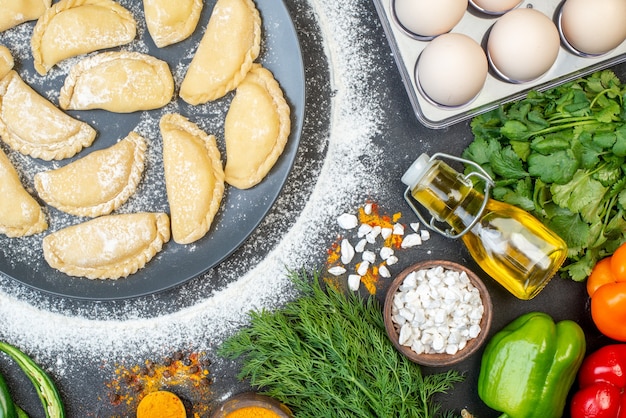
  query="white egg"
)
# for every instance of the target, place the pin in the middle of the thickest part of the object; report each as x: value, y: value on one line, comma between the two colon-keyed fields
x: 429, y: 18
x: 495, y: 6
x: 523, y: 45
x: 452, y: 69
x: 593, y: 27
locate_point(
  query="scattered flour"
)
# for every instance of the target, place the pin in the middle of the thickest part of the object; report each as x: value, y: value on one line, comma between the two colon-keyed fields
x: 52, y: 328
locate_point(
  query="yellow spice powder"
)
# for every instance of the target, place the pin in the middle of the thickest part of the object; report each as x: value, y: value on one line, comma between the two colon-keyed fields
x: 253, y: 412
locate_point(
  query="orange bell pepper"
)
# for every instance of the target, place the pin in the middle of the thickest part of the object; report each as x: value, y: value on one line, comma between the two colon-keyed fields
x: 607, y: 288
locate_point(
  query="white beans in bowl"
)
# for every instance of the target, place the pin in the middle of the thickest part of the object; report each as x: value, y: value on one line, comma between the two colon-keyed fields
x: 437, y: 311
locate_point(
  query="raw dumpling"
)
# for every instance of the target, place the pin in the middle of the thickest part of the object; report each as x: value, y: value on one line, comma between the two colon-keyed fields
x: 20, y: 214
x: 15, y: 12
x: 194, y: 177
x: 256, y: 129
x: 6, y: 61
x: 32, y: 125
x: 74, y: 27
x: 230, y: 45
x: 98, y: 183
x: 108, y: 247
x: 119, y: 81
x: 171, y: 21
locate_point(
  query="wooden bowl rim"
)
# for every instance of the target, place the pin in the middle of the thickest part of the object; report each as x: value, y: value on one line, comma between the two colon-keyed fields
x: 439, y: 360
x: 248, y: 399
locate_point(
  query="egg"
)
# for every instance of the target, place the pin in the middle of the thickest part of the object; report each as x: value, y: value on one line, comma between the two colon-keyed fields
x: 495, y: 6
x: 593, y: 27
x: 523, y: 45
x: 429, y: 18
x: 452, y: 69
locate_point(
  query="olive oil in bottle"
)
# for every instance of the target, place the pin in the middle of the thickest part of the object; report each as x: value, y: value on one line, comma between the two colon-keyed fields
x: 509, y: 244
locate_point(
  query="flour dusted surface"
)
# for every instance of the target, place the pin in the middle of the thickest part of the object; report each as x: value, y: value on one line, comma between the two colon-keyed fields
x: 52, y: 328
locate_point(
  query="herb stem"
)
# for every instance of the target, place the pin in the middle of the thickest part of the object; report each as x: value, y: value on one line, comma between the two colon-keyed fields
x: 595, y: 99
x: 607, y: 212
x: 563, y: 127
x: 559, y: 119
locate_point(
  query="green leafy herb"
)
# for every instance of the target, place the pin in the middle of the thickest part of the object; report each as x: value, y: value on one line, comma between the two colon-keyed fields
x: 326, y: 354
x: 561, y: 155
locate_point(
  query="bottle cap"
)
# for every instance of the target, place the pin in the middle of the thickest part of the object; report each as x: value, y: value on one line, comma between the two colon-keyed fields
x: 414, y: 174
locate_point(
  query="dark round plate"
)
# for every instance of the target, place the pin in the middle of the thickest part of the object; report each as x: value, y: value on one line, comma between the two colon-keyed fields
x: 241, y: 210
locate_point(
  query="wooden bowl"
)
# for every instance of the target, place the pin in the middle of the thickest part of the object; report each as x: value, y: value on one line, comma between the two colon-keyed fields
x: 251, y: 399
x: 437, y: 359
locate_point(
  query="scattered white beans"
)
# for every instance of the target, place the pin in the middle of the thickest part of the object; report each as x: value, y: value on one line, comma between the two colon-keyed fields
x: 367, y: 238
x: 386, y: 252
x: 437, y: 311
x: 347, y: 221
x: 337, y: 270
x: 354, y: 280
x: 364, y: 229
x: 391, y: 260
x: 384, y: 271
x: 360, y: 246
x: 369, y: 256
x: 411, y: 240
x: 347, y: 251
x: 375, y: 232
x: 363, y: 267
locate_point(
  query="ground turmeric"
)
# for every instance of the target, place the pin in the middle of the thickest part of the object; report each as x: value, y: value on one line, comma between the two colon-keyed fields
x: 253, y: 412
x: 161, y: 404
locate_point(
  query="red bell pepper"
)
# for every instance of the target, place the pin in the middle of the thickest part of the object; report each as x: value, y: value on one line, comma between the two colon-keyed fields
x: 602, y: 382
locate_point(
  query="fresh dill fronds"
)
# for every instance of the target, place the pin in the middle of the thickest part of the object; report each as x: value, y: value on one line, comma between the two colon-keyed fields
x: 326, y: 354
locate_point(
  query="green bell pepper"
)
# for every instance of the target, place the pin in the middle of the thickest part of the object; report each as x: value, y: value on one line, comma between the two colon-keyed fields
x: 528, y: 367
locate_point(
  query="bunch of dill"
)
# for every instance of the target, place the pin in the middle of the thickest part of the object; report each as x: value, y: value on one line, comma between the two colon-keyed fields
x: 326, y: 354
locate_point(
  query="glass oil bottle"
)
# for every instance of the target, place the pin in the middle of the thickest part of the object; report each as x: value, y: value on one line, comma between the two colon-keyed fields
x: 509, y: 244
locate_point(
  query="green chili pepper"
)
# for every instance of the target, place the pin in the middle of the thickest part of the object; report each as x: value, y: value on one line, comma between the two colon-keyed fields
x: 7, y: 407
x: 528, y: 367
x: 44, y: 386
x: 21, y: 413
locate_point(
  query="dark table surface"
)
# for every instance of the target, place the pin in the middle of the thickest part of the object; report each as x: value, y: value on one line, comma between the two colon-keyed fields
x: 85, y: 389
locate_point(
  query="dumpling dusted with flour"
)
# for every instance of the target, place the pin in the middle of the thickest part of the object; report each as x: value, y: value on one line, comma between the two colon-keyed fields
x: 256, y: 129
x: 75, y: 27
x: 32, y: 125
x: 118, y: 81
x: 108, y: 247
x: 20, y: 214
x: 15, y: 12
x: 6, y: 61
x: 226, y: 52
x: 194, y: 177
x: 170, y: 21
x: 98, y: 183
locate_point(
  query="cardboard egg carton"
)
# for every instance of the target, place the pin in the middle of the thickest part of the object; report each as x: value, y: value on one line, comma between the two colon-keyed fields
x: 496, y: 91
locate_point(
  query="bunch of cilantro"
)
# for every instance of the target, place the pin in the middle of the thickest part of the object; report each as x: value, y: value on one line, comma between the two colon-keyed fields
x: 561, y: 155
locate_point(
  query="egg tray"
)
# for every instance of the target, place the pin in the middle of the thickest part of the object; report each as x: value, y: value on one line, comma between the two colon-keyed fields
x: 496, y: 91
